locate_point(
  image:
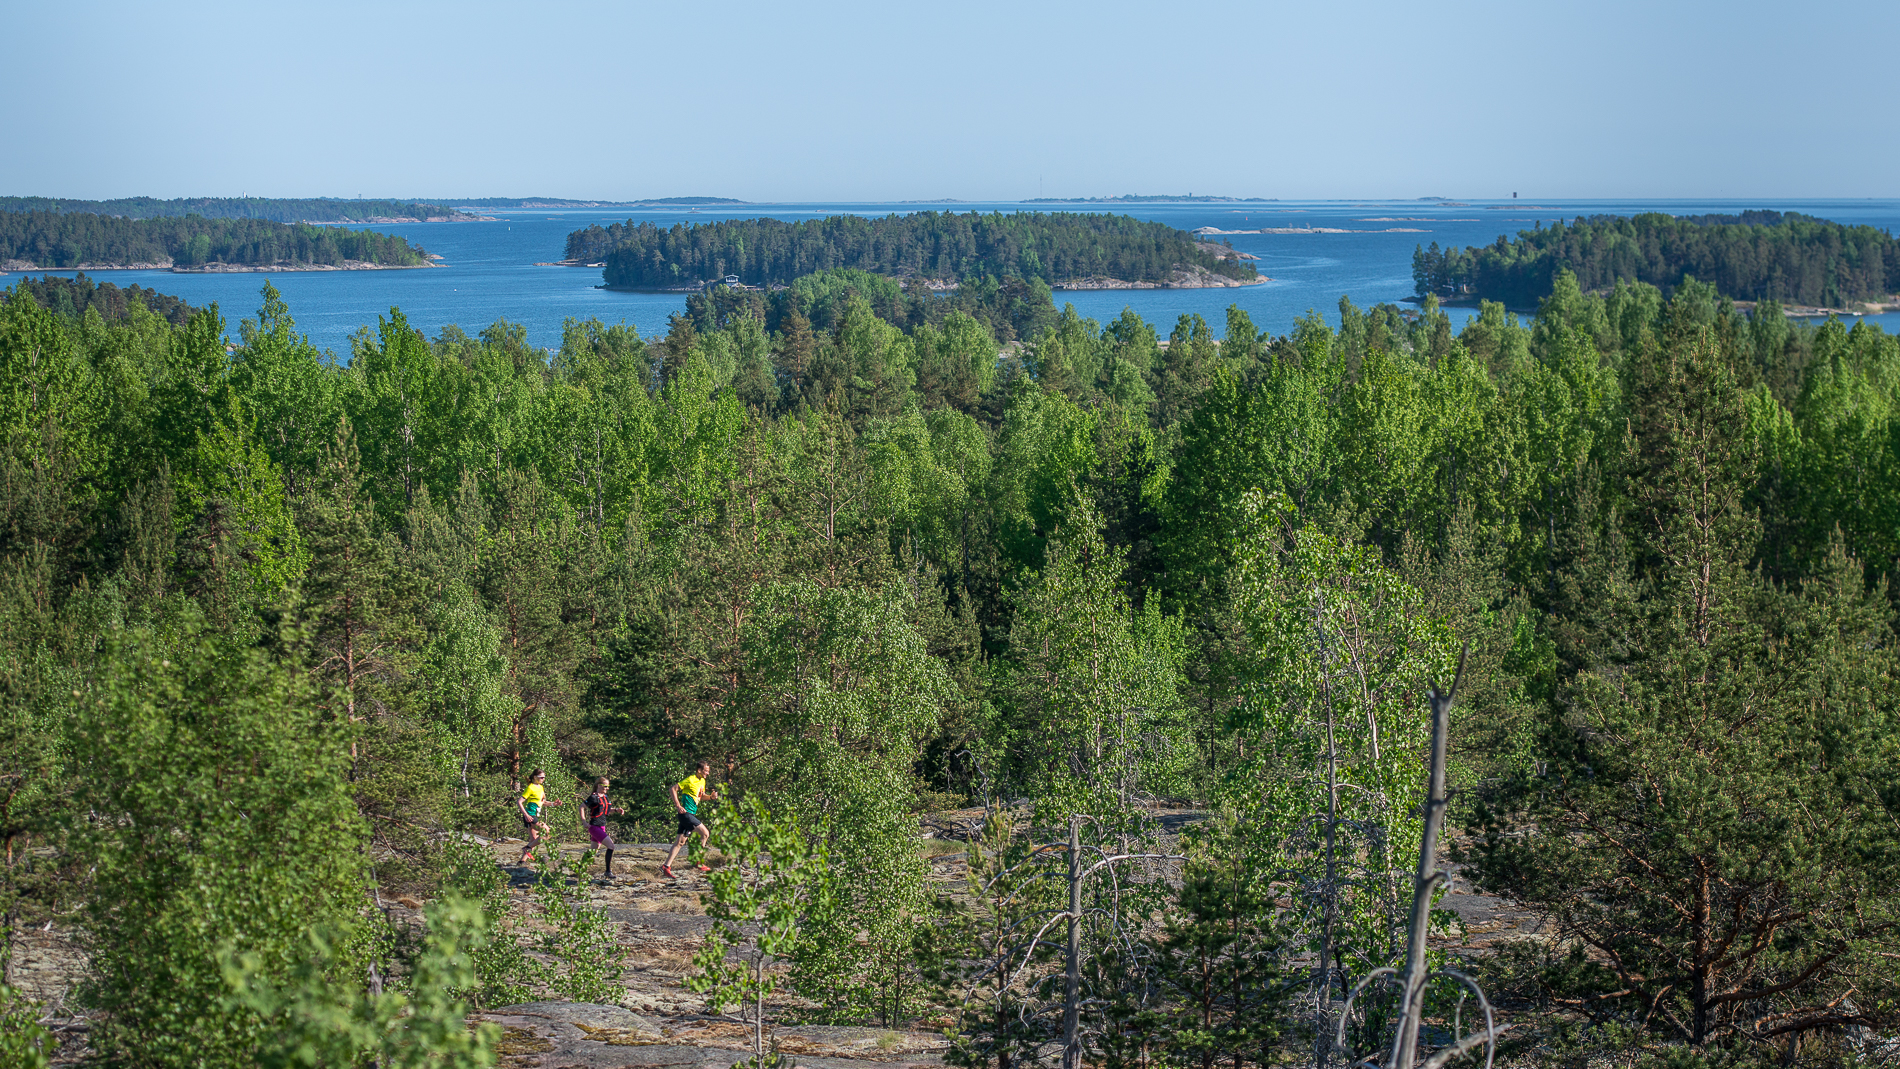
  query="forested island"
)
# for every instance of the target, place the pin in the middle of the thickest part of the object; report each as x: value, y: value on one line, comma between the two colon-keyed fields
x: 65, y: 240
x: 283, y: 639
x: 942, y: 247
x: 273, y: 209
x: 1758, y: 255
x: 72, y: 297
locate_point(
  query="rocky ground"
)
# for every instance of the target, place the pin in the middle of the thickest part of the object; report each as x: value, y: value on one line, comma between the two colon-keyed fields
x: 662, y: 923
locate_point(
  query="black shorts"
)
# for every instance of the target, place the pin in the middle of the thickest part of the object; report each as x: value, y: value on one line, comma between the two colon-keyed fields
x: 527, y: 822
x: 690, y: 822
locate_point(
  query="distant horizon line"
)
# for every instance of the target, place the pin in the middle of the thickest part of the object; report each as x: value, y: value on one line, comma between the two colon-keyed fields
x: 1159, y: 198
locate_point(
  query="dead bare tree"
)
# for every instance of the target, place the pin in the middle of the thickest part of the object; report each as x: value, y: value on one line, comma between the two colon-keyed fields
x: 1417, y: 971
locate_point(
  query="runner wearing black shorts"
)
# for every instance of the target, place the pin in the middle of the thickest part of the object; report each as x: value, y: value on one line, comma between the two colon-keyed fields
x: 687, y: 794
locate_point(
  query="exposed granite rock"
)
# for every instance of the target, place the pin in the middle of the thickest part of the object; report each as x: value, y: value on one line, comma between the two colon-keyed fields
x: 1187, y: 277
x: 559, y: 1035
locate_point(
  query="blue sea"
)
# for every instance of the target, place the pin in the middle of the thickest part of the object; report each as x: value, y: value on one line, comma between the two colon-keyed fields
x: 1360, y: 249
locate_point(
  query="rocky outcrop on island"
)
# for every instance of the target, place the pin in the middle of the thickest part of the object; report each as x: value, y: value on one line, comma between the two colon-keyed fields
x: 343, y: 265
x: 10, y: 266
x: 1185, y: 277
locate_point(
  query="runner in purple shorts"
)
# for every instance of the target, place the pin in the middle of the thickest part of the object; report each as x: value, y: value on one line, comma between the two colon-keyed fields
x: 598, y: 810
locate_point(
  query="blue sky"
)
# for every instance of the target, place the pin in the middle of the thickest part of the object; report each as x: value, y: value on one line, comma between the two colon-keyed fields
x: 982, y: 100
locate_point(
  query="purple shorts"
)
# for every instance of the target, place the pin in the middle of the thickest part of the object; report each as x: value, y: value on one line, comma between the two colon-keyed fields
x: 599, y: 834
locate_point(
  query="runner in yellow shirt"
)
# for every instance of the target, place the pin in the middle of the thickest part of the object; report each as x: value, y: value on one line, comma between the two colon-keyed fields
x: 533, y: 799
x: 687, y: 794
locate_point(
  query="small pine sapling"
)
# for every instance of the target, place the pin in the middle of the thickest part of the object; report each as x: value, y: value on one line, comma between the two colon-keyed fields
x: 778, y: 876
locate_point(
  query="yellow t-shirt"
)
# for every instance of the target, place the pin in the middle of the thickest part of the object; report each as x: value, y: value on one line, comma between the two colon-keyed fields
x: 690, y: 789
x: 531, y: 799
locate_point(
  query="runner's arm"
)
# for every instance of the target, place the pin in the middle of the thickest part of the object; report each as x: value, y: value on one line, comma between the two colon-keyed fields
x: 674, y: 790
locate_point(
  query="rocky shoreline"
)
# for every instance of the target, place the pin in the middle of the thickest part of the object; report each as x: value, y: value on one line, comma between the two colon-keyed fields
x: 1191, y: 277
x: 282, y: 267
x: 1815, y: 311
x: 1182, y: 278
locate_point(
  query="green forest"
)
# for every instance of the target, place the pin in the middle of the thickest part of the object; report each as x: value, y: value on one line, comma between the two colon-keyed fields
x: 279, y: 630
x: 65, y: 240
x: 1757, y: 255
x: 943, y: 246
x: 270, y: 209
x: 71, y: 297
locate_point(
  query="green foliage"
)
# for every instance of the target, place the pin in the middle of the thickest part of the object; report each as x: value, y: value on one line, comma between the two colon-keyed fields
x: 584, y: 954
x: 466, y: 678
x: 1225, y: 976
x: 415, y: 1020
x: 992, y: 953
x: 24, y: 1042
x: 1729, y: 895
x: 936, y: 245
x: 502, y: 974
x: 277, y: 209
x: 218, y: 820
x: 1093, y: 716
x: 780, y: 875
x: 1758, y: 255
x: 1336, y: 736
x: 845, y: 693
x: 71, y: 297
x: 278, y: 634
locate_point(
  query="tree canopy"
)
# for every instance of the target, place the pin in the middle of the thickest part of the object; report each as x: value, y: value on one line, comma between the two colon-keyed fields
x: 942, y: 246
x: 272, y: 209
x: 874, y: 568
x: 72, y: 296
x: 65, y: 240
x: 1758, y: 255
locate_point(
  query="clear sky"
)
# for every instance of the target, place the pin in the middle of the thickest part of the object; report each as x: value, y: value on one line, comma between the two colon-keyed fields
x: 971, y: 100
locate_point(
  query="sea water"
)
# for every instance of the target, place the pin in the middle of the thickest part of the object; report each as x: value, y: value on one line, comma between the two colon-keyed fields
x: 1357, y: 249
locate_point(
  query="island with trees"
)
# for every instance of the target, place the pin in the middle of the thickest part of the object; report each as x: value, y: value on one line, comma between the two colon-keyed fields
x: 72, y: 297
x: 1060, y: 250
x: 273, y: 209
x: 1758, y: 255
x: 66, y: 240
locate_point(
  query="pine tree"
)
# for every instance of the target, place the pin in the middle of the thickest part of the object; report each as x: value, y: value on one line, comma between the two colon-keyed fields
x: 1705, y: 815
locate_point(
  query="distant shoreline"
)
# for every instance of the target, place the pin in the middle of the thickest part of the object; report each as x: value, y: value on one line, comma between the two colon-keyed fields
x: 11, y: 266
x: 385, y: 220
x: 1204, y: 281
x: 1181, y: 280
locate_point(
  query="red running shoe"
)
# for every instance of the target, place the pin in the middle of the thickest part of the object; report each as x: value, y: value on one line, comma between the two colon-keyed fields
x: 666, y: 871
